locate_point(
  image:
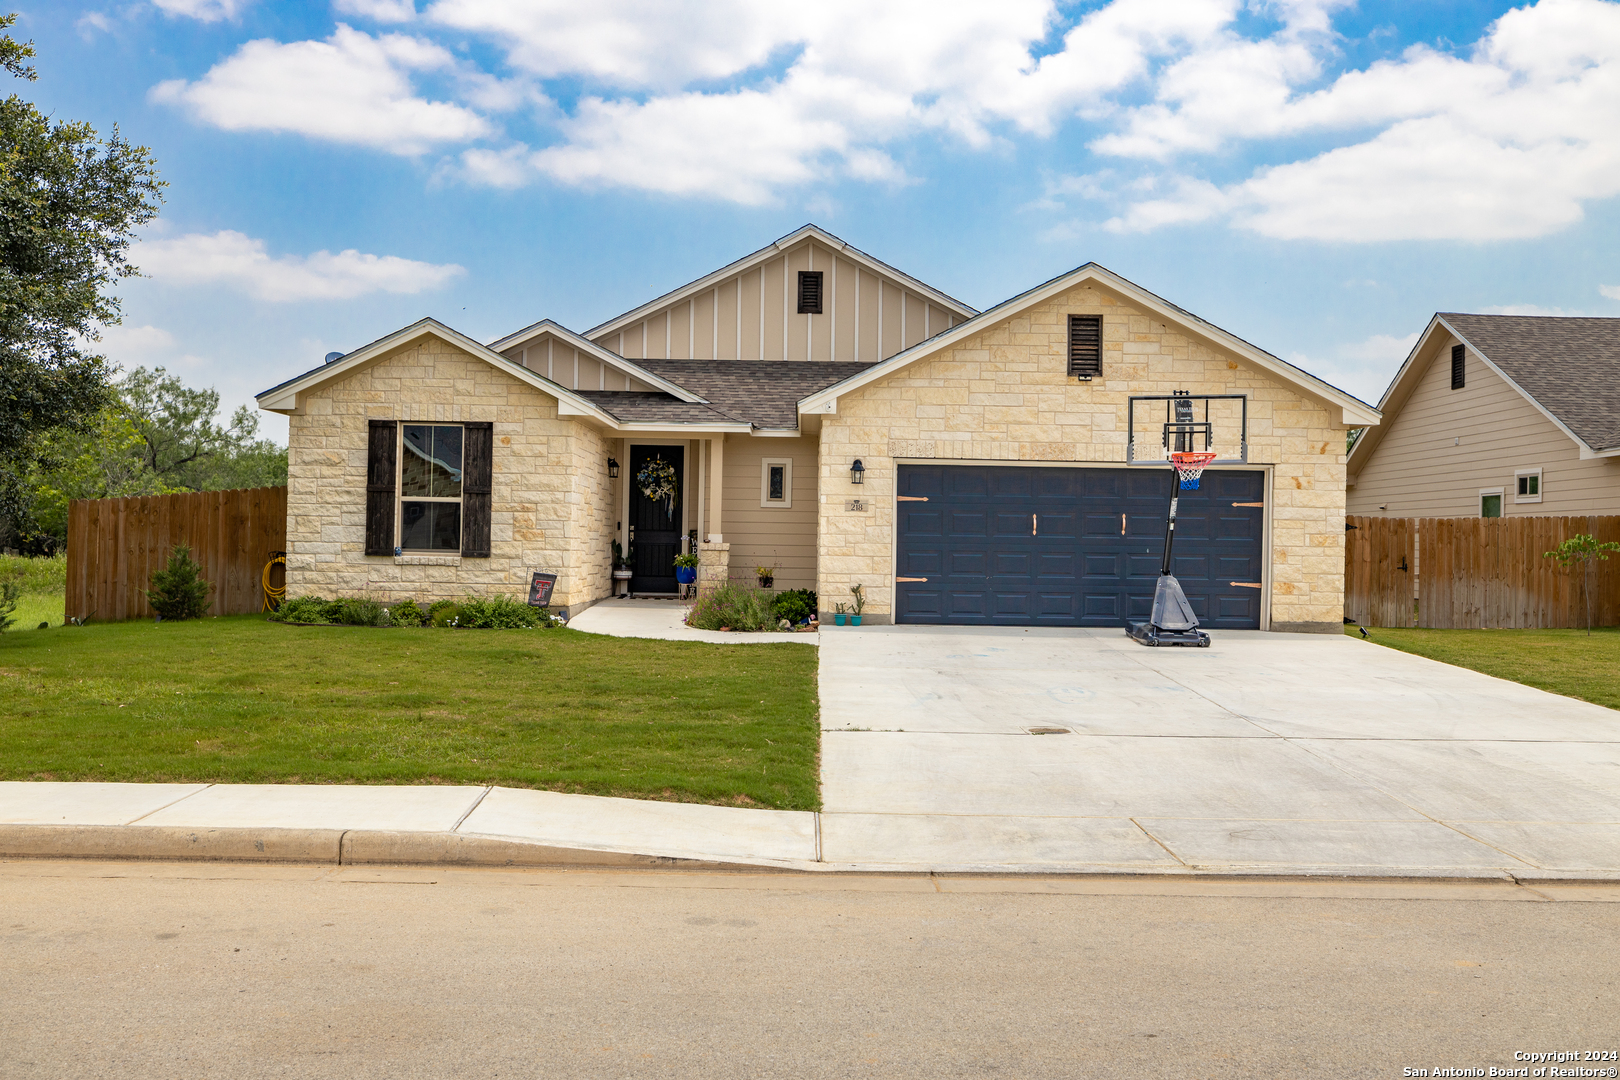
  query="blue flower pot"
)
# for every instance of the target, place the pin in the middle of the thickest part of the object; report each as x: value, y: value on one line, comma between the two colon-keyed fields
x: 686, y: 574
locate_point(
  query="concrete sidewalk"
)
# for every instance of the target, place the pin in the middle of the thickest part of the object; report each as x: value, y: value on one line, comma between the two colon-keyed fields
x: 665, y: 619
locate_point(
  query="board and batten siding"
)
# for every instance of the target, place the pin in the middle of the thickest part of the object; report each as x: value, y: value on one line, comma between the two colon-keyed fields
x: 866, y: 316
x: 1443, y: 446
x: 567, y: 366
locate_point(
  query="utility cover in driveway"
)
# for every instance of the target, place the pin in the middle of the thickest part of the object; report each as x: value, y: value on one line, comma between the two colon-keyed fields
x: 996, y: 545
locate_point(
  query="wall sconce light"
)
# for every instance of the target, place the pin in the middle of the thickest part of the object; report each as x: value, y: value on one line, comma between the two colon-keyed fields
x: 613, y: 469
x: 857, y: 472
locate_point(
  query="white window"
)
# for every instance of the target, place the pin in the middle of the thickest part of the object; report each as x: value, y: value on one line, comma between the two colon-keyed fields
x: 430, y: 487
x: 1527, y: 486
x: 776, y: 482
x: 1490, y: 503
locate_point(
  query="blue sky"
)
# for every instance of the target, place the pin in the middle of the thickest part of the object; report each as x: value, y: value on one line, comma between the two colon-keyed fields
x: 1316, y: 176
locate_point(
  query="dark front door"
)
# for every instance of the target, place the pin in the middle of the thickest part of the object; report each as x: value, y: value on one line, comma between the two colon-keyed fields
x: 655, y: 523
x: 1028, y: 546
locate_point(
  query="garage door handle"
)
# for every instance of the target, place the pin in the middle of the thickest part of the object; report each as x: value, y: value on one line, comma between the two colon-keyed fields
x: 1249, y: 504
x: 911, y: 498
x: 1034, y: 525
x: 1248, y: 584
x: 911, y: 579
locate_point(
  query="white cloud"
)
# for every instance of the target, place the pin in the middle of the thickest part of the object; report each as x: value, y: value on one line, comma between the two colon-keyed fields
x: 1506, y: 144
x: 378, y: 10
x: 203, y: 10
x: 91, y: 21
x: 1611, y: 291
x: 1529, y: 309
x: 240, y: 262
x: 1364, y: 368
x: 350, y: 88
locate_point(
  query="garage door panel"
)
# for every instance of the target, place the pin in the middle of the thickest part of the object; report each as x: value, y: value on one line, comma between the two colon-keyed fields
x: 1036, y: 544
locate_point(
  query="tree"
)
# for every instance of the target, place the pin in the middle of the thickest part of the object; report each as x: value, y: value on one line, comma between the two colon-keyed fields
x: 1584, y: 551
x: 69, y: 205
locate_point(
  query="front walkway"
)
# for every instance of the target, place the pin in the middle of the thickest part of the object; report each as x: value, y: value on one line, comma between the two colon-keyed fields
x: 664, y: 619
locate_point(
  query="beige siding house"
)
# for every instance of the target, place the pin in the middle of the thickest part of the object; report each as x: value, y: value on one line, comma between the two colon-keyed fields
x: 1497, y: 415
x: 812, y: 410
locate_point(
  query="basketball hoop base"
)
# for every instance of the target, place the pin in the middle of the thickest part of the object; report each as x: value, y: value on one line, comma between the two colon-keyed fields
x: 1148, y: 634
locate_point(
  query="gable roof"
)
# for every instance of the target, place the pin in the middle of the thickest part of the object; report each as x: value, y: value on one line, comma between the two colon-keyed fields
x: 765, y: 393
x: 283, y: 397
x: 1567, y: 368
x: 772, y: 251
x: 1353, y: 410
x: 547, y: 327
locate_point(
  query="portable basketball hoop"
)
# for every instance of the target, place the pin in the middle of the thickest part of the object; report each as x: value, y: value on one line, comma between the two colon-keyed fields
x: 1189, y: 466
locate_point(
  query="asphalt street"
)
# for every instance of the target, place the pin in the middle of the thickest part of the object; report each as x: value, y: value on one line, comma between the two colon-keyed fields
x: 136, y: 970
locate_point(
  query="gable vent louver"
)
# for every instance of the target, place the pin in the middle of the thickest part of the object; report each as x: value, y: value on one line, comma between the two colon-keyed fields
x: 1459, y: 369
x: 1085, y: 346
x: 810, y: 292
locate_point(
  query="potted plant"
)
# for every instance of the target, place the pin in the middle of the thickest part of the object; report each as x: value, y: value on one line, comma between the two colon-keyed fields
x: 860, y: 603
x: 686, y: 568
x: 767, y: 576
x: 621, y: 566
x: 840, y: 614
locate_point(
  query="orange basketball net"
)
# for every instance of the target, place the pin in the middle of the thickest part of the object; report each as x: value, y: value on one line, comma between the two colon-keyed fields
x: 1189, y: 466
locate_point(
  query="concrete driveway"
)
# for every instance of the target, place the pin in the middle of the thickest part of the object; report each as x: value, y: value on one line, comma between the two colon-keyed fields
x: 1264, y: 752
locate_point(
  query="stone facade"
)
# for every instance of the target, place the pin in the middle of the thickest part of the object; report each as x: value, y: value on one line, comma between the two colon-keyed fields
x: 1004, y: 395
x: 552, y: 501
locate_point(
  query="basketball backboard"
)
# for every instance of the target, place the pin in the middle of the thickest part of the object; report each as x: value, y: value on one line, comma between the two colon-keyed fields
x: 1160, y: 424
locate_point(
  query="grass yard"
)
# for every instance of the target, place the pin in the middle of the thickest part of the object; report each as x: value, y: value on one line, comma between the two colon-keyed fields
x: 1563, y: 661
x: 242, y: 700
x: 42, y: 583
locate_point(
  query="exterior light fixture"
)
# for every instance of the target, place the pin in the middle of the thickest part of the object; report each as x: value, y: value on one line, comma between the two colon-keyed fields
x: 857, y: 472
x: 613, y: 469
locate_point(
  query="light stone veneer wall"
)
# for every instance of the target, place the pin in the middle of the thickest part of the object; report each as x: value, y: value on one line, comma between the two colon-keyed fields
x: 551, y: 498
x: 1004, y: 395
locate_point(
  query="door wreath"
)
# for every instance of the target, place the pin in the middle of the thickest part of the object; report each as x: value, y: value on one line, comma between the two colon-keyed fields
x: 658, y: 482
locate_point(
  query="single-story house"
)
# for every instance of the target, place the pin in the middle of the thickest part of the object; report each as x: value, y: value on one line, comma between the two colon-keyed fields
x: 1497, y: 416
x: 1006, y: 457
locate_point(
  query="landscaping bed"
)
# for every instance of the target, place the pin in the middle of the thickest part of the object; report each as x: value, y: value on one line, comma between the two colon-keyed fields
x: 240, y: 700
x: 1567, y: 662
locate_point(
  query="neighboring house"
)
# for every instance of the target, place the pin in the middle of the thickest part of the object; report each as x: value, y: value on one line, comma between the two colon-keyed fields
x: 1497, y: 415
x: 427, y: 464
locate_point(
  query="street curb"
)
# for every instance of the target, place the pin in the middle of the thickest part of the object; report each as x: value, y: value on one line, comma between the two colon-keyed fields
x: 337, y: 847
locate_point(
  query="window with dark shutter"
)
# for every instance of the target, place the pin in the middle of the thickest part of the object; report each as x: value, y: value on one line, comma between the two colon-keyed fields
x: 1085, y: 346
x: 810, y: 292
x: 477, y: 481
x: 1458, y: 367
x: 380, y: 487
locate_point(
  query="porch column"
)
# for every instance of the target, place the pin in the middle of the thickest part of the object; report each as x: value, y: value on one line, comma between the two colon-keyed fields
x: 714, y: 557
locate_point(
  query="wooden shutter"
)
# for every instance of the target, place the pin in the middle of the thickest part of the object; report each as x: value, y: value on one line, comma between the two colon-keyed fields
x: 1085, y: 346
x: 810, y: 292
x: 477, y: 475
x: 381, y: 471
x: 1459, y: 367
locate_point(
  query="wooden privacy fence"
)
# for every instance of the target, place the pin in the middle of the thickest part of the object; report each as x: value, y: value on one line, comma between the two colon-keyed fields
x: 115, y: 544
x: 1469, y: 573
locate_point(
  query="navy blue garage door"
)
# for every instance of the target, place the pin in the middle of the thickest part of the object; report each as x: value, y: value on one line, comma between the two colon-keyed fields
x: 1001, y: 545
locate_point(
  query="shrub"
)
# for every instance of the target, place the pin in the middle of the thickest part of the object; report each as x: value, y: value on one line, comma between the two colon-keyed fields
x: 443, y: 612
x: 8, y: 604
x: 301, y: 609
x: 355, y: 611
x: 498, y: 613
x: 794, y: 605
x: 740, y: 607
x: 407, y: 613
x: 35, y: 573
x: 178, y: 590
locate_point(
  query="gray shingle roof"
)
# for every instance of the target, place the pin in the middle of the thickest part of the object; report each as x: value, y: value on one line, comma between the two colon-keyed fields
x: 1571, y: 366
x: 633, y: 406
x: 766, y: 393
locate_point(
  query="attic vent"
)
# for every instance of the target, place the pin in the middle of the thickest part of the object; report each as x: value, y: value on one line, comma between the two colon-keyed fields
x: 810, y: 292
x: 1085, y: 346
x: 1458, y: 368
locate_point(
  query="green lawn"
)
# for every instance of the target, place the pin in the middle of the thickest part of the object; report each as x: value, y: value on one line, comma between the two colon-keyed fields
x: 1565, y: 662
x: 43, y: 586
x: 239, y: 699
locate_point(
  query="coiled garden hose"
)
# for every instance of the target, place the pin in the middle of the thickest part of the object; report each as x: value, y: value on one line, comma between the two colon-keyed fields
x: 273, y: 596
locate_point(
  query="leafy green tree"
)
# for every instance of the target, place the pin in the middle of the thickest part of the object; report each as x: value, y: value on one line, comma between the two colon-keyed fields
x: 1583, y: 550
x: 70, y: 203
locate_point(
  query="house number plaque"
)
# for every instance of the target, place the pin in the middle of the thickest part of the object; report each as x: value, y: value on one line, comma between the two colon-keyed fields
x: 855, y: 504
